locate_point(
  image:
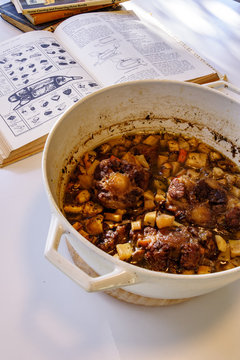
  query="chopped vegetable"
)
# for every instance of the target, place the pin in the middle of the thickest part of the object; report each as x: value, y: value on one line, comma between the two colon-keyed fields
x: 173, y: 145
x: 92, y: 167
x: 150, y: 218
x: 151, y: 140
x: 203, y: 148
x: 161, y: 160
x: 175, y: 167
x: 183, y: 144
x: 83, y: 196
x: 214, y: 156
x: 131, y: 158
x: 104, y: 148
x: 234, y: 247
x: 193, y: 142
x: 136, y: 225
x: 94, y: 225
x: 91, y: 209
x: 124, y: 251
x: 182, y: 155
x: 148, y: 195
x: 160, y: 196
x: 166, y: 169
x: 164, y: 220
x: 113, y: 217
x: 149, y: 204
x: 160, y: 184
x: 203, y: 269
x: 89, y: 158
x: 217, y: 172
x: 221, y: 243
x: 85, y: 181
x: 196, y: 160
x: 235, y: 191
x: 141, y: 159
x: 74, y: 209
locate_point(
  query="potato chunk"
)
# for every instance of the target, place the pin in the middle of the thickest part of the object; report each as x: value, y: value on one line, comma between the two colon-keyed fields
x: 85, y: 181
x: 164, y: 220
x: 94, y: 225
x: 173, y: 145
x: 166, y: 170
x: 201, y: 215
x: 151, y: 140
x: 124, y: 251
x: 183, y: 144
x: 91, y: 209
x: 161, y: 160
x: 89, y: 158
x: 196, y: 160
x: 203, y: 148
x: 92, y: 167
x: 150, y: 218
x: 218, y: 173
x: 235, y: 191
x: 83, y: 196
x: 204, y: 269
x: 136, y: 225
x: 141, y: 159
x: 234, y: 247
x: 221, y: 243
x: 113, y: 217
x: 73, y: 209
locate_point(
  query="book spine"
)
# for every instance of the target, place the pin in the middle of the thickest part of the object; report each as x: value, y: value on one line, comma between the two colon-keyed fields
x: 21, y: 26
x: 41, y: 18
x: 72, y: 6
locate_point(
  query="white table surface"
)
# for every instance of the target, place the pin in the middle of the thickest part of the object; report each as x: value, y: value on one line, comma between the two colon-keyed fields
x: 46, y: 316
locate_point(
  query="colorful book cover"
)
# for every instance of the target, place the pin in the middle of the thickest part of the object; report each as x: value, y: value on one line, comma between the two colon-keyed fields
x: 36, y: 6
x: 43, y: 17
x: 9, y: 13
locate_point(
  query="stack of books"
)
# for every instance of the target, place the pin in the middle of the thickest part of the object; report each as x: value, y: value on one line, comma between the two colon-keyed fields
x: 30, y: 15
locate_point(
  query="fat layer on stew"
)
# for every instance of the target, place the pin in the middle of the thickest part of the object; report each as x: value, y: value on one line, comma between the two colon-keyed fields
x: 160, y: 201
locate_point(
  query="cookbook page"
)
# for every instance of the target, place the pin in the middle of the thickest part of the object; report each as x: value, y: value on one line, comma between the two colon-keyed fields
x: 118, y: 46
x: 39, y: 81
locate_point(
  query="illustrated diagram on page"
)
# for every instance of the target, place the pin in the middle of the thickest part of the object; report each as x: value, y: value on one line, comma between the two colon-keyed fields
x: 39, y: 81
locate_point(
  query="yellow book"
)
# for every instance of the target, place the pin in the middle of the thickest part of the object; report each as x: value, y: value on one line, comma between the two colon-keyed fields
x: 43, y: 17
x: 38, y: 6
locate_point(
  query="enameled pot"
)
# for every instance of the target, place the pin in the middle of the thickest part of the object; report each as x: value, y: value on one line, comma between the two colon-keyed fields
x: 152, y: 105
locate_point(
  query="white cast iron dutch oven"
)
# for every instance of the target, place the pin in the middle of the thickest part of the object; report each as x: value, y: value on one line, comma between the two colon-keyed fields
x: 146, y: 106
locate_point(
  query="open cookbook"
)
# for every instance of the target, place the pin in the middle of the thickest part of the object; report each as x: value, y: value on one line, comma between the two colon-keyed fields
x: 43, y: 74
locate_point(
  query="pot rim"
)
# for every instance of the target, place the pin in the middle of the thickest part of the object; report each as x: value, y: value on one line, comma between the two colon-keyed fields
x: 68, y: 228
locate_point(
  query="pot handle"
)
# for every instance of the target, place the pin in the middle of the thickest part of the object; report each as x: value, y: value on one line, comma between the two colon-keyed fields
x: 226, y: 88
x: 117, y: 278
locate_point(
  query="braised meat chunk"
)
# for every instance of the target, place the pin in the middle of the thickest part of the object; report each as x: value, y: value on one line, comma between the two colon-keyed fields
x: 119, y: 184
x: 198, y: 200
x: 161, y: 201
x: 177, y: 249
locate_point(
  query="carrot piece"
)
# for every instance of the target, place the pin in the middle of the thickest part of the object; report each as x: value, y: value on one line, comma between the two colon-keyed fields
x: 113, y: 157
x: 182, y: 156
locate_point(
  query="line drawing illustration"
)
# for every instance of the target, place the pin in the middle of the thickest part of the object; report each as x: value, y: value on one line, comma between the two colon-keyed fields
x: 29, y: 61
x: 39, y: 88
x: 35, y: 105
x: 129, y: 63
x: 111, y: 49
x: 106, y: 40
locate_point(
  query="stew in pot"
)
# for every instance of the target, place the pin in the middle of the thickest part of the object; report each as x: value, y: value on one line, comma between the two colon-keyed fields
x: 160, y: 201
